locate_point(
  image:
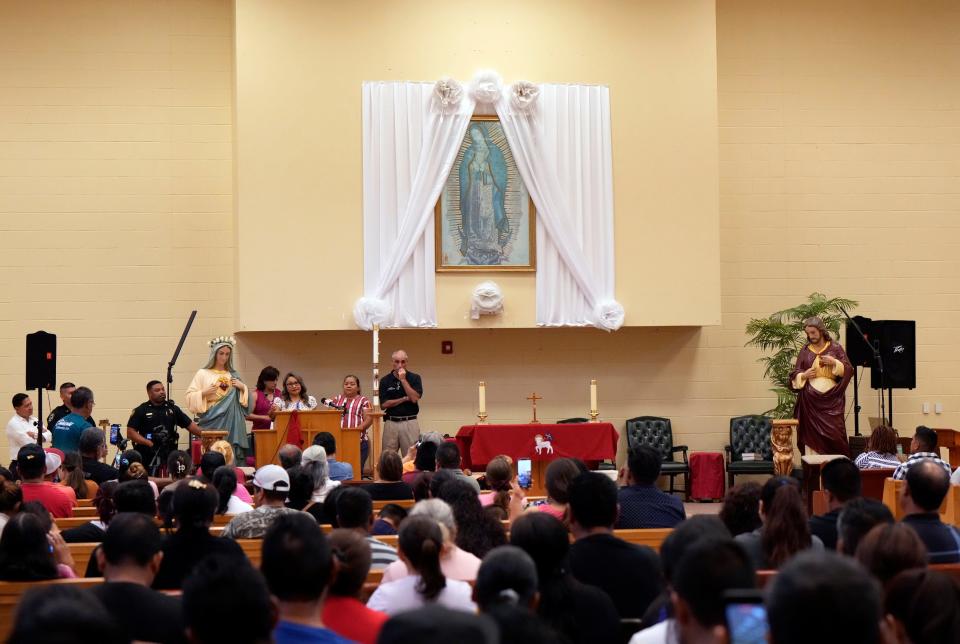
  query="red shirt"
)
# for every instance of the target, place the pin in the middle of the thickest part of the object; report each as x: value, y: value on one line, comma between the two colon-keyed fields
x: 349, y: 618
x: 59, y: 501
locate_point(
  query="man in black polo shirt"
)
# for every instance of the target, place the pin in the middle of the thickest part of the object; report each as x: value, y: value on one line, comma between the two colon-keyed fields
x: 400, y: 391
x: 129, y: 559
x: 841, y: 483
x: 66, y: 390
x: 157, y: 420
x: 628, y: 573
x: 93, y: 447
x: 927, y: 485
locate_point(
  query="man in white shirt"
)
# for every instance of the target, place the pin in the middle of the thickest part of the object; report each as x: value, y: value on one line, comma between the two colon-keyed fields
x: 22, y: 428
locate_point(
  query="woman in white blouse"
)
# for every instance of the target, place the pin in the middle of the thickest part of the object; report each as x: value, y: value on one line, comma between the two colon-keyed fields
x: 294, y: 396
x: 421, y: 541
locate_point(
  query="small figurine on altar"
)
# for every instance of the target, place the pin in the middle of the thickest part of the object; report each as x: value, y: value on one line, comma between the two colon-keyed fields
x: 780, y: 439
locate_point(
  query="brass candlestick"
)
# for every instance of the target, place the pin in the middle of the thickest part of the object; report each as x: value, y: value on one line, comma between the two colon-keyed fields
x: 481, y: 419
x: 594, y: 414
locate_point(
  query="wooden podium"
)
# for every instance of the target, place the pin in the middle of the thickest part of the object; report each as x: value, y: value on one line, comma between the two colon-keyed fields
x: 267, y: 442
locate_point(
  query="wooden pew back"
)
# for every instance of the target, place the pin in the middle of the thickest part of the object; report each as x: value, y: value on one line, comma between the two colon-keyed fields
x: 652, y: 537
x: 12, y: 591
x: 949, y: 509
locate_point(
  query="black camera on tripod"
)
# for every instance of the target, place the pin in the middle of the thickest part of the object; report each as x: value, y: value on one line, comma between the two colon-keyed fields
x: 163, y: 439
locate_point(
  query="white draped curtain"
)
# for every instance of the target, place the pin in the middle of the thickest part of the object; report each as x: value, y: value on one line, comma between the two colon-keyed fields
x: 411, y: 133
x: 560, y: 139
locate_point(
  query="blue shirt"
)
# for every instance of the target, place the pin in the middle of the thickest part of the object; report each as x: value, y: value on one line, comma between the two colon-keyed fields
x: 66, y: 433
x: 339, y: 471
x: 646, y: 506
x: 290, y: 633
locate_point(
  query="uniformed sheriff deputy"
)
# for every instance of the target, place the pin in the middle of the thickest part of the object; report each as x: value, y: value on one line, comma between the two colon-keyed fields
x: 157, y: 420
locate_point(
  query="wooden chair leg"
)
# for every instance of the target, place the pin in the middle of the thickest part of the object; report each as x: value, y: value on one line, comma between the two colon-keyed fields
x: 686, y: 487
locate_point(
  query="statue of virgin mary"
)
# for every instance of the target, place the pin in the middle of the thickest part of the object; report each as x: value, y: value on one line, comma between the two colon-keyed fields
x: 219, y: 398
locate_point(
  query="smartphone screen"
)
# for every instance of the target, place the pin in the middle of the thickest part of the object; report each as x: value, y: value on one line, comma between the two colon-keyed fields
x: 746, y: 617
x: 114, y: 434
x: 524, y: 473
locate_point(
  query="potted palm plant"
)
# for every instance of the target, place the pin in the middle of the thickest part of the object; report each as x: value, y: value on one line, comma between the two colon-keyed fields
x: 781, y: 335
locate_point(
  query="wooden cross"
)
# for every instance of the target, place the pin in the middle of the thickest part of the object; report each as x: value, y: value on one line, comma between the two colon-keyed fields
x: 534, y: 398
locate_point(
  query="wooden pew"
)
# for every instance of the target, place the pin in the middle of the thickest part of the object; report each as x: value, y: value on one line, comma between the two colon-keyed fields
x: 72, y: 522
x: 86, y: 511
x: 253, y: 548
x: 403, y: 503
x: 652, y: 537
x: 82, y: 552
x: 949, y: 509
x: 765, y: 577
x: 12, y: 591
x: 85, y: 503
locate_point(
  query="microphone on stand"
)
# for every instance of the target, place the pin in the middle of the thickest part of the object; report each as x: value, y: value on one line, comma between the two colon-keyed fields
x: 329, y: 403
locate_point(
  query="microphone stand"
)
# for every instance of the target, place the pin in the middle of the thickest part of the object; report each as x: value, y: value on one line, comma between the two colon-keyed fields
x: 879, y: 362
x: 176, y: 354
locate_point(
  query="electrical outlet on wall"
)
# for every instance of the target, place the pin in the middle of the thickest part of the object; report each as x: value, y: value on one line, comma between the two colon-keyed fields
x: 938, y: 408
x: 926, y: 408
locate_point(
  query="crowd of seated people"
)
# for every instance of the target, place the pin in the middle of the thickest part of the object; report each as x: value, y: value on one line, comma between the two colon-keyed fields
x: 488, y: 566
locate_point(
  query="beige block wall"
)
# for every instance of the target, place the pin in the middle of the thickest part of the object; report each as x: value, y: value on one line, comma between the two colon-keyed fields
x: 839, y: 146
x: 116, y: 190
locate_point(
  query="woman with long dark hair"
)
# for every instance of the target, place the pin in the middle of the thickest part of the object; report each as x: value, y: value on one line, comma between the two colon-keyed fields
x: 28, y: 550
x: 194, y: 505
x: 74, y: 477
x: 424, y: 461
x: 498, y: 477
x: 478, y: 532
x: 225, y: 481
x: 264, y: 396
x: 585, y: 614
x: 785, y: 530
x: 294, y: 396
x: 421, y: 542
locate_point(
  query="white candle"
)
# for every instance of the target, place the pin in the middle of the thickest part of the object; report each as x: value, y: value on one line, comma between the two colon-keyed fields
x: 483, y: 397
x: 376, y: 343
x: 593, y: 395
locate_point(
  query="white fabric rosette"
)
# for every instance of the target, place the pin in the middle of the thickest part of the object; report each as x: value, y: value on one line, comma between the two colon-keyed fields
x: 485, y: 87
x: 369, y: 311
x: 523, y: 96
x: 609, y: 315
x: 487, y: 299
x: 447, y: 94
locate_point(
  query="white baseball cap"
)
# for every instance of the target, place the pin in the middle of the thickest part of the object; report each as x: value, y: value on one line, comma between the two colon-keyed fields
x: 53, y: 463
x: 273, y: 478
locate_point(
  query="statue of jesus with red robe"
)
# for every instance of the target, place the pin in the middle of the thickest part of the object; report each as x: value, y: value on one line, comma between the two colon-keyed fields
x: 820, y: 379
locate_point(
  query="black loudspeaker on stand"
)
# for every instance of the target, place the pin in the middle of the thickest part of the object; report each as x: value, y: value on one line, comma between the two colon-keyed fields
x: 41, y: 370
x: 889, y: 348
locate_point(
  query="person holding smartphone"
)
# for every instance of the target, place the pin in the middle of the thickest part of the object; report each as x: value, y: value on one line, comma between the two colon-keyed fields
x: 711, y: 568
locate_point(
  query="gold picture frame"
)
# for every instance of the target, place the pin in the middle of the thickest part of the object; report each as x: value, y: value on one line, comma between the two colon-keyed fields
x: 499, y: 234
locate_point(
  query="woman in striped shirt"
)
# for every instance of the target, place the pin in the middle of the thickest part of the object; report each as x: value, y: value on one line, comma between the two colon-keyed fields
x: 881, y: 450
x: 355, y: 408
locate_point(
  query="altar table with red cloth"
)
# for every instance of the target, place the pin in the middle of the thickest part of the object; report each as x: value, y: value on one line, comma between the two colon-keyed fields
x: 586, y: 441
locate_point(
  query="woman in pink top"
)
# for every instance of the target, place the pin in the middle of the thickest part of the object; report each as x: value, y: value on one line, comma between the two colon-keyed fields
x: 266, y: 391
x: 560, y: 473
x: 499, y: 475
x: 454, y: 562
